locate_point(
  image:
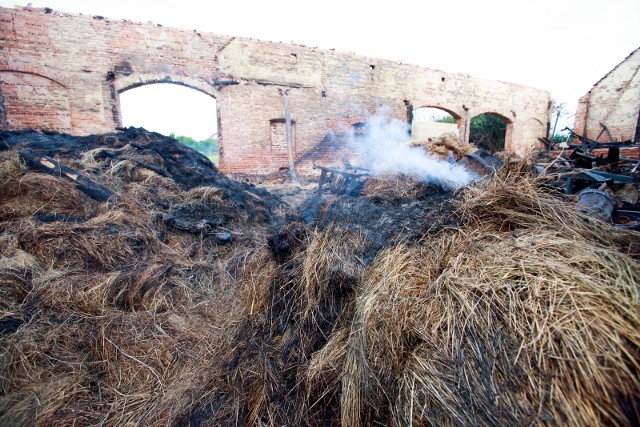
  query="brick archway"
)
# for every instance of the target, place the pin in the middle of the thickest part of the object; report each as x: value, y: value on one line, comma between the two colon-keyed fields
x: 508, y: 133
x: 430, y: 129
x: 455, y: 114
x: 178, y: 101
x: 325, y: 88
x: 124, y: 83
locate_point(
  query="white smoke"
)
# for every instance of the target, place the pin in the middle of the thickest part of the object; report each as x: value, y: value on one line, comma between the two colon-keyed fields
x: 383, y: 148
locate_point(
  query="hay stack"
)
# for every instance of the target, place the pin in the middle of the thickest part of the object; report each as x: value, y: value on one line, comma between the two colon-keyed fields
x: 389, y: 187
x: 108, y: 316
x: 501, y: 333
x: 529, y: 315
x: 298, y: 293
x: 446, y: 144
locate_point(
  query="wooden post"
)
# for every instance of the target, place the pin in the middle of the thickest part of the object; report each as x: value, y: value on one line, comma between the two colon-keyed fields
x: 46, y: 164
x: 409, y: 116
x: 290, y: 148
x: 636, y: 138
x: 323, y: 176
x: 553, y: 132
x: 466, y: 124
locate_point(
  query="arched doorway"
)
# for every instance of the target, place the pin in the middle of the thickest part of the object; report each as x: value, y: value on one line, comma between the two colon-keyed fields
x: 432, y: 122
x: 176, y: 110
x: 489, y: 131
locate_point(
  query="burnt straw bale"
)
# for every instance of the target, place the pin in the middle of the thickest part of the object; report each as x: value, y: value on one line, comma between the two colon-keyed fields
x: 186, y: 298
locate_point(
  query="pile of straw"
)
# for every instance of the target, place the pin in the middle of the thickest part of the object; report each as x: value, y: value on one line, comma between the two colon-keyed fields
x: 298, y: 292
x: 108, y: 316
x: 446, y: 145
x: 390, y: 187
x: 527, y: 314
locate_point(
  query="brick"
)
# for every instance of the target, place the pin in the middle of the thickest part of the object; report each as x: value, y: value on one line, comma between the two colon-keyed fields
x: 613, y: 101
x: 63, y: 72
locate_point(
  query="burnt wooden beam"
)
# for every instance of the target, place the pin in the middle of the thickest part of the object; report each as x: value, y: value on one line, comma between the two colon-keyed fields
x: 47, y: 165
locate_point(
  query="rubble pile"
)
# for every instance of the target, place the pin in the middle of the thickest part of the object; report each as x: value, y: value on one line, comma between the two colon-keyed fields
x: 602, y: 178
x: 141, y: 286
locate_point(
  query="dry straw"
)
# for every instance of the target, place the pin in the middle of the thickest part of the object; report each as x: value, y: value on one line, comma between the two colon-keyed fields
x: 389, y: 187
x: 446, y: 145
x: 294, y: 304
x: 528, y: 315
x: 106, y: 317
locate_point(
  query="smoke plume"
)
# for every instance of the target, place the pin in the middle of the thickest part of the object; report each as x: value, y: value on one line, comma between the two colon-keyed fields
x: 383, y: 147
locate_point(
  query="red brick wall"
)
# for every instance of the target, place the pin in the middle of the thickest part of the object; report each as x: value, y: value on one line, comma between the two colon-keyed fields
x: 614, y: 101
x: 33, y: 101
x: 76, y: 65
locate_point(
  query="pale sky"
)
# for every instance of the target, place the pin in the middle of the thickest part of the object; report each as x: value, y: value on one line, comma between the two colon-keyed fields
x: 169, y: 108
x: 563, y: 46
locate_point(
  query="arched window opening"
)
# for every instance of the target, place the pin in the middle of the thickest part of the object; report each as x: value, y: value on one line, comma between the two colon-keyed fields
x: 184, y: 113
x: 432, y: 122
x: 488, y: 131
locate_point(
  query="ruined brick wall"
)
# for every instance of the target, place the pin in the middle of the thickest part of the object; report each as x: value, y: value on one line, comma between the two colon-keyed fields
x: 614, y: 102
x: 64, y: 72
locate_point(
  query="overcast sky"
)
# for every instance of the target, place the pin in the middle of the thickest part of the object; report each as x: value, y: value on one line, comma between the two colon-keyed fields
x: 564, y: 46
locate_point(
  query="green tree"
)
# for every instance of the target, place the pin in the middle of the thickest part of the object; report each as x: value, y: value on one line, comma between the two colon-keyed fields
x: 559, y: 138
x: 205, y: 146
x: 488, y: 132
x: 560, y: 115
x: 445, y: 119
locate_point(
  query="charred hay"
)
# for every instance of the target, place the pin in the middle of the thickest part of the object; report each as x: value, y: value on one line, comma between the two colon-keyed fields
x: 109, y: 313
x: 494, y: 305
x: 531, y: 320
x: 389, y: 209
x: 292, y: 305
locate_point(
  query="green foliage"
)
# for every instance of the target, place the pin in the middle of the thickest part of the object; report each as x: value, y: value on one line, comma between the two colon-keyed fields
x: 205, y: 146
x: 445, y: 119
x: 559, y: 137
x: 488, y: 132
